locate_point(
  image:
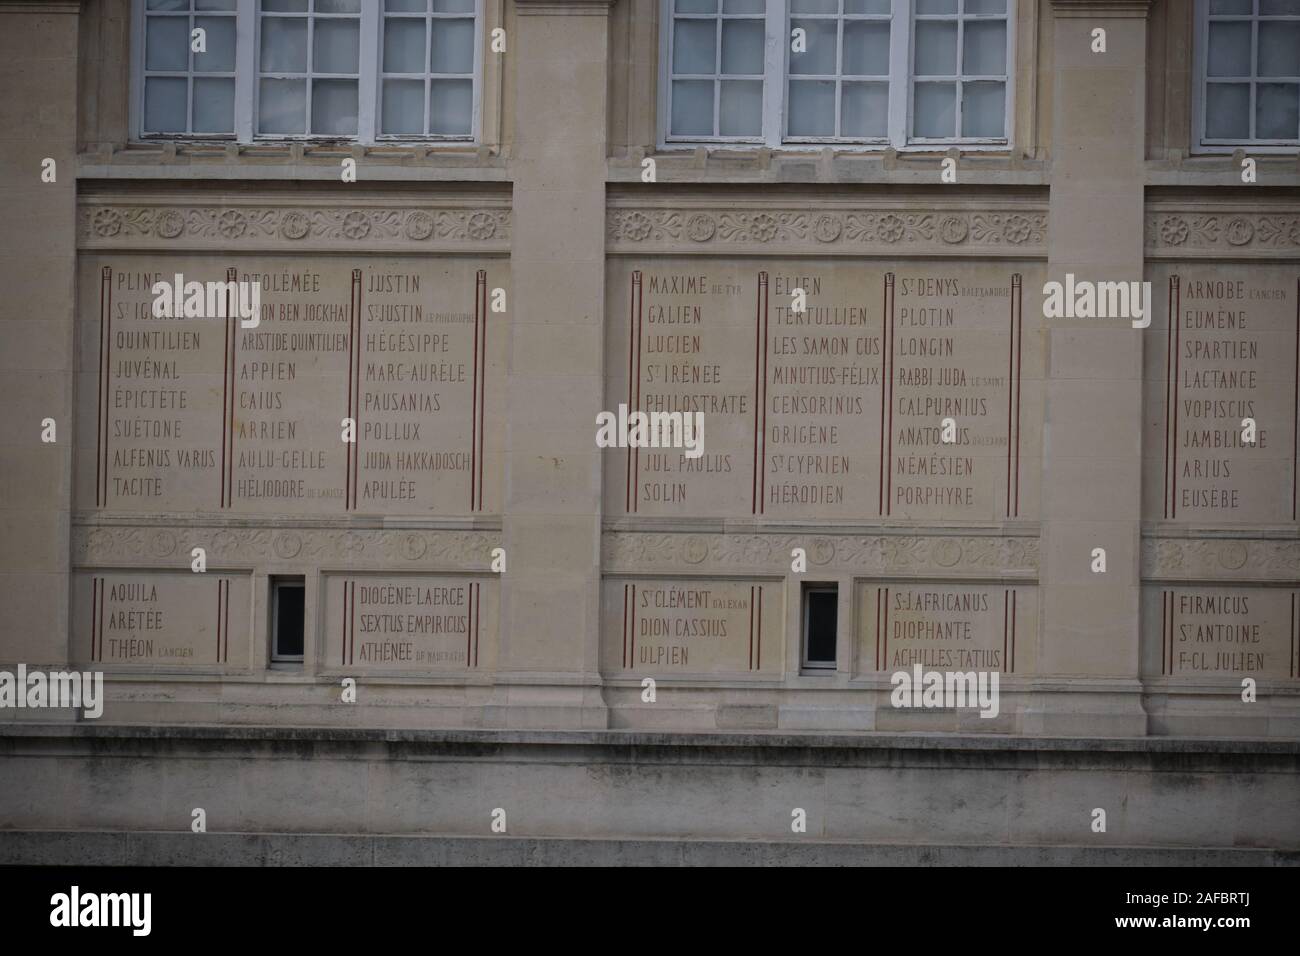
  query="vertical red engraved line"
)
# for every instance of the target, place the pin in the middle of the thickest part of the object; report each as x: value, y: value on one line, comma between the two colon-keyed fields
x: 762, y: 479
x: 631, y: 349
x: 1295, y: 432
x: 94, y: 609
x: 1169, y: 411
x: 218, y: 620
x: 1293, y: 635
x: 884, y: 399
x: 625, y: 625
x: 473, y: 418
x: 1164, y: 625
x: 352, y: 627
x: 633, y: 656
x: 1020, y: 352
x: 478, y: 617
x: 103, y: 599
x: 347, y: 457
x: 751, y: 627
x: 356, y: 450
x: 1006, y: 604
x: 469, y: 602
x: 482, y: 391
x: 1172, y: 629
x: 225, y: 400
x: 105, y: 354
x: 879, y: 608
x: 885, y: 658
x: 343, y: 651
x: 1012, y: 669
x: 225, y: 649
x: 1173, y: 498
x: 758, y: 410
x: 1011, y: 391
x: 889, y: 469
x: 228, y: 387
x: 758, y: 664
x: 636, y: 452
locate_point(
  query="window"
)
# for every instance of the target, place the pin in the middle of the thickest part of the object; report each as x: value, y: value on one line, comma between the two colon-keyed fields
x: 1248, y: 64
x: 865, y: 72
x: 820, y: 618
x: 363, y: 70
x: 287, y: 617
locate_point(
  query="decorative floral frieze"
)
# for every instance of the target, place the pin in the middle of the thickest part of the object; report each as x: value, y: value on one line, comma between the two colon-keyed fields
x: 98, y: 546
x: 1250, y: 559
x: 634, y: 551
x: 1228, y: 232
x: 110, y: 224
x: 830, y: 230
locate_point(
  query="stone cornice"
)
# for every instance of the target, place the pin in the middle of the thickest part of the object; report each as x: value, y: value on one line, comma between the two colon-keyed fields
x: 376, y: 224
x: 1190, y: 230
x: 887, y: 227
x: 948, y: 556
x: 563, y: 8
x: 1097, y: 9
x: 1240, y: 560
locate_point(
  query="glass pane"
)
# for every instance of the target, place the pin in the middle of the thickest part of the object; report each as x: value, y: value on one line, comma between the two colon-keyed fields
x: 694, y: 46
x: 984, y: 48
x: 1230, y: 6
x: 866, y: 48
x: 403, y: 107
x: 451, y: 107
x: 934, y: 110
x: 167, y: 44
x: 164, y: 105
x: 1277, y: 111
x: 403, y: 45
x: 1229, y: 48
x: 936, y: 48
x: 334, y: 107
x: 866, y: 6
x: 282, y: 107
x: 864, y: 110
x: 1227, y: 111
x: 453, y: 46
x: 740, y: 111
x: 692, y: 112
x: 697, y: 6
x: 453, y: 6
x: 220, y: 57
x: 936, y: 6
x: 1279, y: 48
x: 214, y: 5
x: 742, y: 46
x: 983, y: 109
x: 284, y: 45
x: 214, y: 104
x: 819, y: 56
x: 168, y: 5
x: 744, y: 6
x: 812, y: 108
x: 338, y: 6
x: 284, y: 6
x: 336, y: 46
x: 986, y: 6
x: 1274, y: 8
x: 814, y: 6
x: 406, y: 6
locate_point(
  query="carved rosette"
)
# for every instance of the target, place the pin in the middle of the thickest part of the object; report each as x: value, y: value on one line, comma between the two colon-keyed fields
x: 1233, y: 559
x: 1230, y: 233
x: 1018, y: 231
x: 634, y: 552
x: 133, y: 546
x: 112, y: 224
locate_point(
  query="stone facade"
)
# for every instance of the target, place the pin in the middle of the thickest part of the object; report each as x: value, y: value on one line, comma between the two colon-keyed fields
x: 524, y: 284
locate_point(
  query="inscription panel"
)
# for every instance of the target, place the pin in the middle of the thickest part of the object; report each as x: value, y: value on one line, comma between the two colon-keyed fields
x: 160, y: 620
x: 201, y: 414
x: 1223, y: 347
x: 684, y: 626
x: 835, y: 410
x: 410, y: 624
x: 1221, y: 631
x: 946, y: 627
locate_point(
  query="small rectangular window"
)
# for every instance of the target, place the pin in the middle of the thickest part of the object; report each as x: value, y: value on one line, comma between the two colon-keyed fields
x: 821, y: 604
x: 287, y: 619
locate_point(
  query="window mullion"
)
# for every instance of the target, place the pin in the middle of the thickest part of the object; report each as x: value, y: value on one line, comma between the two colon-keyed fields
x: 900, y: 70
x: 245, y: 69
x: 774, y: 72
x: 368, y: 64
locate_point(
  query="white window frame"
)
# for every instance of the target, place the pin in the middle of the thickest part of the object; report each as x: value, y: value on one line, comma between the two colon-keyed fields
x: 247, y: 73
x: 1200, y: 61
x: 805, y: 663
x: 278, y: 584
x: 776, y: 81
